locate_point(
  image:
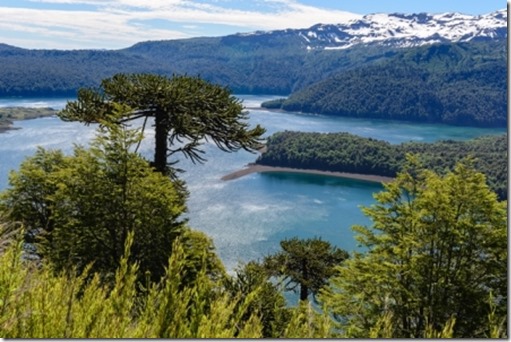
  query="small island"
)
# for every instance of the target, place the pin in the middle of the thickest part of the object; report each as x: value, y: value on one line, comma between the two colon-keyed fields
x: 10, y: 114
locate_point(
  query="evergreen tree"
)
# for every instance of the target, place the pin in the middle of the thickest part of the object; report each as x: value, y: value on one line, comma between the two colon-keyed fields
x: 307, y: 264
x: 186, y: 111
x: 80, y: 208
x: 436, y: 253
x: 27, y: 199
x: 269, y: 303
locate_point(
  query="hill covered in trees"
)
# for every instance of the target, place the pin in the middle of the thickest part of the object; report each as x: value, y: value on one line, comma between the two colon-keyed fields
x: 245, y: 64
x: 460, y: 84
x: 345, y: 152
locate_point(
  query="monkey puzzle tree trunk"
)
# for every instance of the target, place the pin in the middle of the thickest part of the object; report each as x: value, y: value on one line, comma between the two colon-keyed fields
x: 304, y: 290
x: 161, y: 136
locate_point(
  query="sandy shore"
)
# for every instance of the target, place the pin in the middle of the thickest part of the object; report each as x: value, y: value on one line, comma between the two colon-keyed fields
x: 252, y: 168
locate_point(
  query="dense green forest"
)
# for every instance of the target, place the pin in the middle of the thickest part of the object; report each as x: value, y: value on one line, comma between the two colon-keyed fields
x: 276, y: 65
x: 454, y: 83
x: 95, y: 244
x: 345, y: 152
x: 461, y: 84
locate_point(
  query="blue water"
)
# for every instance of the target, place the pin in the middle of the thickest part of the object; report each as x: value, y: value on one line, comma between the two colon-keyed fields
x: 247, y: 217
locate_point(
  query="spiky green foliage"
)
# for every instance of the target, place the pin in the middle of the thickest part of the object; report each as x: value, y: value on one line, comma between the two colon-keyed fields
x: 36, y: 303
x: 437, y: 248
x: 269, y: 301
x: 305, y: 264
x: 200, y: 252
x: 186, y: 110
x: 8, y: 232
x: 306, y: 322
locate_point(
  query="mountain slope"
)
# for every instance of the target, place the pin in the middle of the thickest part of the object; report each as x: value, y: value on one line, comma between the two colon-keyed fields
x: 276, y: 62
x: 402, y: 30
x: 460, y: 84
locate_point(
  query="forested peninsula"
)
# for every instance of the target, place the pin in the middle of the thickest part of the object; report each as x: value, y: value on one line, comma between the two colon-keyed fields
x: 10, y: 114
x: 457, y: 84
x: 345, y: 152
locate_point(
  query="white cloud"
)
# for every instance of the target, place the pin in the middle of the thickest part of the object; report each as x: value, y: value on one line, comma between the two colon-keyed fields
x: 85, y: 29
x: 120, y: 23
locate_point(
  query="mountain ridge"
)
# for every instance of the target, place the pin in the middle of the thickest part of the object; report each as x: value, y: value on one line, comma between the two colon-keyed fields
x: 277, y: 63
x: 400, y: 30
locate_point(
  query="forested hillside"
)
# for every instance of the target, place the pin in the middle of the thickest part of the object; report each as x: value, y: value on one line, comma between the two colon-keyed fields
x: 461, y: 84
x: 242, y: 63
x: 345, y: 152
x: 61, y: 73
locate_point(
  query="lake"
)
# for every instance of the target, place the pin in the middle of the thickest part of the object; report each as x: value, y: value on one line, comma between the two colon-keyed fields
x: 247, y: 217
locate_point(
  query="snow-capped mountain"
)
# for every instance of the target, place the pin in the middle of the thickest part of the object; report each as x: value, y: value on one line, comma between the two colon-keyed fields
x: 401, y: 30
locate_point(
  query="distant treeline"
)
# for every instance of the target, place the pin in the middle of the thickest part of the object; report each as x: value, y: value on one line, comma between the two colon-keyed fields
x: 456, y: 84
x: 345, y: 152
x: 246, y: 64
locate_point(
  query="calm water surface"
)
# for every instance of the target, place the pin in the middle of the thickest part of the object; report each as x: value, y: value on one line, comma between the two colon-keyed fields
x: 247, y: 217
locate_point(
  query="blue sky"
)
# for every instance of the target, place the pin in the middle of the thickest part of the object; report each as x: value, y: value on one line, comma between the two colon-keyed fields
x: 113, y: 24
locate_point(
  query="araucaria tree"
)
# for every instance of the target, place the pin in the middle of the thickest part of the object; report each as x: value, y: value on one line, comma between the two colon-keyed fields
x: 305, y: 264
x: 185, y: 110
x: 436, y: 254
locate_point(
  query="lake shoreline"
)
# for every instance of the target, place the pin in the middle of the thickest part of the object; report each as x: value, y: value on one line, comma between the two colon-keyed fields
x: 9, y: 115
x: 257, y: 168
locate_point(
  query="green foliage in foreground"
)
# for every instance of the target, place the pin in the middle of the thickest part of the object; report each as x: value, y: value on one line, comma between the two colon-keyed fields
x: 269, y: 301
x: 435, y: 266
x: 345, y: 152
x: 36, y: 303
x: 79, y: 209
x: 436, y: 253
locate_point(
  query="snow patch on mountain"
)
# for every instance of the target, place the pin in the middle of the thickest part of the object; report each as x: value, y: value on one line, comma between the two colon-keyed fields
x: 402, y: 30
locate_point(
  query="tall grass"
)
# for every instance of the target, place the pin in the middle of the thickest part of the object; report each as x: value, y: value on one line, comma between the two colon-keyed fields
x: 36, y: 303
